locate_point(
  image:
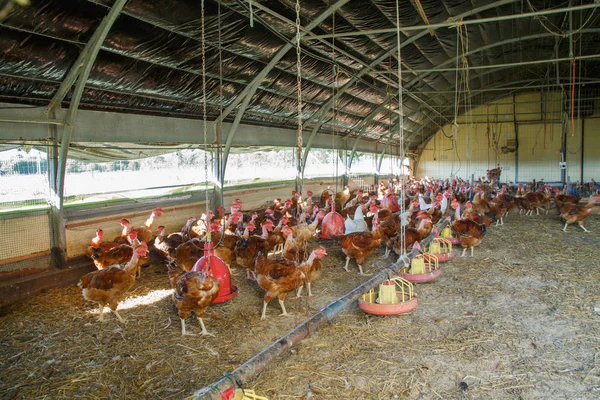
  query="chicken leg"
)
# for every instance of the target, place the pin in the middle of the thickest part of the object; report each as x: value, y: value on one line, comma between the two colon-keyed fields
x: 101, y: 312
x: 299, y: 292
x: 386, y: 254
x: 118, y: 316
x: 464, y: 251
x: 347, y: 262
x: 183, y: 331
x: 204, y: 331
x: 360, y: 269
x: 284, y: 313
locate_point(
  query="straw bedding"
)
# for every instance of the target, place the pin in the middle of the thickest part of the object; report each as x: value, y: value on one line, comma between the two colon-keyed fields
x: 518, y: 320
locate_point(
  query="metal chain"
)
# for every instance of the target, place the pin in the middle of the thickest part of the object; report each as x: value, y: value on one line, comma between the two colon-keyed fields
x: 299, y: 83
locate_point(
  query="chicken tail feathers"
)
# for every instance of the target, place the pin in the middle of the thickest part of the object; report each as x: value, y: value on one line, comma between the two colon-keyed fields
x: 482, y: 229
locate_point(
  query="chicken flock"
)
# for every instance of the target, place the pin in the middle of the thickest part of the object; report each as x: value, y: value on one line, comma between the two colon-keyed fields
x: 272, y: 244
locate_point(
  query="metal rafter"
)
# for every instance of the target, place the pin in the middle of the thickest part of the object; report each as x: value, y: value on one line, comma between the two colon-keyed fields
x: 249, y: 91
x: 326, y: 106
x: 452, y: 22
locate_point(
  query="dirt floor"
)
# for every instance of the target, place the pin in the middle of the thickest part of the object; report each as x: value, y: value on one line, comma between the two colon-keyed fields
x: 521, y: 319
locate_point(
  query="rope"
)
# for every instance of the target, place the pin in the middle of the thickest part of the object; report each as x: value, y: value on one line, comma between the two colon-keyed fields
x: 400, y: 129
x: 573, y: 98
x: 204, y: 128
x: 335, y: 73
x: 299, y: 171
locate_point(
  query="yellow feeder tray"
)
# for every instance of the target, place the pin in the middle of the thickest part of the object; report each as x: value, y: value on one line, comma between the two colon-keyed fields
x: 393, y: 297
x: 441, y: 248
x: 447, y: 234
x: 247, y: 394
x: 424, y: 268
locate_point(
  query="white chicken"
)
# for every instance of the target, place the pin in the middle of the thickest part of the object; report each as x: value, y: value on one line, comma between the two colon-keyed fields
x: 358, y: 224
x: 422, y: 205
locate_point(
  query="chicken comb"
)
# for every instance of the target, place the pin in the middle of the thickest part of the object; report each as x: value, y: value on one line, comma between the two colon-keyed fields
x: 124, y: 221
x: 160, y: 228
x: 132, y: 234
x: 157, y: 212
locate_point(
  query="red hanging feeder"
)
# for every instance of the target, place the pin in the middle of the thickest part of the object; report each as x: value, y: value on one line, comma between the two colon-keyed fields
x: 219, y: 271
x: 332, y: 224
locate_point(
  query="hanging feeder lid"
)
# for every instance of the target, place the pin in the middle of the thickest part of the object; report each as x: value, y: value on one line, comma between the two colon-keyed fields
x: 219, y: 271
x: 332, y: 224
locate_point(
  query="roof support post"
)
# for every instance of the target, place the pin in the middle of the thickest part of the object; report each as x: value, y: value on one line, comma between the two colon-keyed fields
x: 387, y: 143
x: 56, y: 226
x: 249, y: 91
x: 218, y: 178
x: 80, y: 71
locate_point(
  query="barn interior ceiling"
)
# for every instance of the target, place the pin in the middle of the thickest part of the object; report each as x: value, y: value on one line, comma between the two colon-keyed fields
x: 454, y: 56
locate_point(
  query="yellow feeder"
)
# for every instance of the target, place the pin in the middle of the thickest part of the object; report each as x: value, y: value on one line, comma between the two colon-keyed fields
x: 426, y: 271
x: 387, y: 293
x: 435, y: 248
x: 417, y: 264
x: 446, y: 233
x: 382, y: 302
x: 442, y: 248
x: 247, y: 394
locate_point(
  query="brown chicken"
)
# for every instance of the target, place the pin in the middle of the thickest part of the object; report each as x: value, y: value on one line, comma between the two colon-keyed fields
x: 473, y: 215
x: 311, y: 269
x: 560, y: 198
x: 572, y: 213
x: 412, y: 235
x: 108, y: 286
x: 325, y: 196
x: 390, y: 227
x: 276, y: 239
x: 187, y: 253
x: 303, y: 231
x: 97, y: 243
x: 469, y: 232
x: 360, y: 245
x: 247, y: 248
x: 293, y: 249
x: 117, y: 255
x: 162, y: 242
x: 144, y: 233
x: 224, y: 243
x: 192, y: 292
x: 277, y: 277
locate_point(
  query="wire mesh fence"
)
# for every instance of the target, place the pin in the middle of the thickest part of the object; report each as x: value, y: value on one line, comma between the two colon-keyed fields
x: 23, y: 179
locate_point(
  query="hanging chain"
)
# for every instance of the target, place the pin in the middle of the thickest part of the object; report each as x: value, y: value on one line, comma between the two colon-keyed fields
x: 401, y: 134
x: 299, y: 84
x: 204, y: 129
